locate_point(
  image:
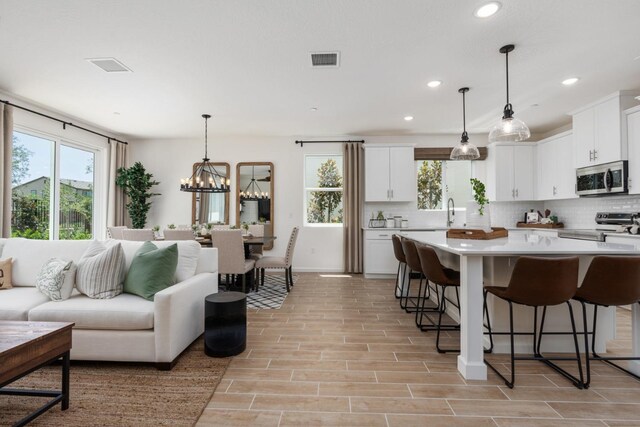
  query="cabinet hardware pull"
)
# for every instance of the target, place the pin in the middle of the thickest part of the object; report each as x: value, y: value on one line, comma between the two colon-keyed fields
x: 513, y: 193
x: 517, y: 195
x: 591, y: 155
x: 392, y: 194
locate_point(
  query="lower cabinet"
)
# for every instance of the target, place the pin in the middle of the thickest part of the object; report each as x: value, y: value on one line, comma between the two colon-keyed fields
x: 379, y: 259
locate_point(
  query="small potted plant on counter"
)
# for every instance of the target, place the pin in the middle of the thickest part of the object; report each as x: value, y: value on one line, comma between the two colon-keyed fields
x: 477, y: 215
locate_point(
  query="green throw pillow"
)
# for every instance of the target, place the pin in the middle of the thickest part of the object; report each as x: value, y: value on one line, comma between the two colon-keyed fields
x: 152, y: 270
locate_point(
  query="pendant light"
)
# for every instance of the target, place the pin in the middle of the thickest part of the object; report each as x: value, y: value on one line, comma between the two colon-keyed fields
x: 509, y: 129
x: 465, y: 150
x: 205, y: 179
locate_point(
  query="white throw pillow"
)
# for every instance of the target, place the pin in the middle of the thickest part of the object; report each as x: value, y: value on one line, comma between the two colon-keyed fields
x: 101, y: 271
x: 56, y: 279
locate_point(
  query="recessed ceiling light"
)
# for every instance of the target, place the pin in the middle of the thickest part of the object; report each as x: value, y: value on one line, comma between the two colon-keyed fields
x: 487, y: 10
x: 434, y: 83
x: 116, y: 113
x: 408, y: 118
x: 570, y: 81
x: 314, y: 108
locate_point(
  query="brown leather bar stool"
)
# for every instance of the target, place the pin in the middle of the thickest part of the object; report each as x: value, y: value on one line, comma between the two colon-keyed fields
x: 539, y: 282
x: 610, y: 281
x: 410, y: 250
x: 402, y: 264
x: 444, y: 277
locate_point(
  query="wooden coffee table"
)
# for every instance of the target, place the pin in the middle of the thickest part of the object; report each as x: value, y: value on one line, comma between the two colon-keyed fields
x: 28, y: 346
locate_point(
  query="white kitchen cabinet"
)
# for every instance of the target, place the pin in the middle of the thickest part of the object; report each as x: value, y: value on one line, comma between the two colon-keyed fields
x: 555, y: 173
x: 390, y: 174
x: 599, y: 130
x: 633, y: 141
x: 379, y: 259
x: 510, y: 172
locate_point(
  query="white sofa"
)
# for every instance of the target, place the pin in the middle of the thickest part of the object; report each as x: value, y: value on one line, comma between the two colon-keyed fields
x: 124, y: 328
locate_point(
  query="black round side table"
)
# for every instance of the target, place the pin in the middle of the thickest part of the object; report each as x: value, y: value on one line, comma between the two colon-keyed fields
x: 225, y: 324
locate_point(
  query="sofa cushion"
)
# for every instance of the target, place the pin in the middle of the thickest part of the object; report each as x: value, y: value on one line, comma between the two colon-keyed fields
x: 124, y: 312
x: 152, y: 270
x: 56, y: 279
x: 30, y: 255
x: 5, y: 273
x: 188, y: 255
x: 101, y: 271
x: 15, y: 303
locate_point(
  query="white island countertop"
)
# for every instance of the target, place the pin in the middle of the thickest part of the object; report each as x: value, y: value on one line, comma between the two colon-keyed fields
x: 525, y: 242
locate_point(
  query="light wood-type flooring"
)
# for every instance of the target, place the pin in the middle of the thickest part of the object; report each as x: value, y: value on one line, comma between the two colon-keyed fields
x: 340, y: 352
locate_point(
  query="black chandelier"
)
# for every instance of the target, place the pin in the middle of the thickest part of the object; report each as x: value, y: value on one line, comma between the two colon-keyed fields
x: 206, y: 178
x: 253, y: 190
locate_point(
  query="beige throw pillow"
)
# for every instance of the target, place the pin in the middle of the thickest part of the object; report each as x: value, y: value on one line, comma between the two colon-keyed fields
x: 5, y: 273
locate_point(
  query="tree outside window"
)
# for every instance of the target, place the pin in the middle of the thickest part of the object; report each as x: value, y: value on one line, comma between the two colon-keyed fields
x: 430, y: 184
x: 323, y: 189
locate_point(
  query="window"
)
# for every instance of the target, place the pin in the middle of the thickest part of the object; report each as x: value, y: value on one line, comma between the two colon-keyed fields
x: 439, y: 180
x: 323, y: 189
x: 52, y: 189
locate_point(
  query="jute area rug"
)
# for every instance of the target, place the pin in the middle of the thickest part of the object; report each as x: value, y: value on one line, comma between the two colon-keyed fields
x: 123, y: 394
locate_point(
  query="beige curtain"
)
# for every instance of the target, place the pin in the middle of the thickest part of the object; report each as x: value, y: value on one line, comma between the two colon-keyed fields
x: 6, y: 150
x: 353, y: 198
x: 118, y: 158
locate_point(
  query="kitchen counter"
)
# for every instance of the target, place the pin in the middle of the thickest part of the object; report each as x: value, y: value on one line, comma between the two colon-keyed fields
x: 404, y: 229
x: 473, y: 254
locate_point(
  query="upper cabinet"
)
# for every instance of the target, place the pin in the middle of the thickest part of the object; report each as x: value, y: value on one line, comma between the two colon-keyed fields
x: 555, y: 178
x: 390, y: 174
x: 511, y: 172
x: 599, y: 130
x: 633, y: 140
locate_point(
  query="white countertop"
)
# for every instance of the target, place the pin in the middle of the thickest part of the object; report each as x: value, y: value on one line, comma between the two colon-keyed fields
x: 525, y: 243
x: 426, y: 228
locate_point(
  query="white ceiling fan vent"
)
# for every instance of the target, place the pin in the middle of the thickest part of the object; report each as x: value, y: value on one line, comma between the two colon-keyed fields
x: 110, y: 65
x: 325, y: 59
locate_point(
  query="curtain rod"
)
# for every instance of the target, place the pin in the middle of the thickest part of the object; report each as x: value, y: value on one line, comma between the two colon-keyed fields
x: 326, y: 142
x: 64, y: 124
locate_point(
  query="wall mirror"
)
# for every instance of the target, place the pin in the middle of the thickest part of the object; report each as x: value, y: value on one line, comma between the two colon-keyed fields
x: 211, y: 207
x: 254, y: 196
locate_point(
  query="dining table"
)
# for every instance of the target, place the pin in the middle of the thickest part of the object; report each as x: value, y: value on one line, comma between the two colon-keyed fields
x: 518, y: 243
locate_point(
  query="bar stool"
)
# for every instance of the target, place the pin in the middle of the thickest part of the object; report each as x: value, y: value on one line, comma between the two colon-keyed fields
x: 444, y: 277
x: 410, y: 250
x: 539, y: 282
x: 402, y: 264
x: 610, y: 281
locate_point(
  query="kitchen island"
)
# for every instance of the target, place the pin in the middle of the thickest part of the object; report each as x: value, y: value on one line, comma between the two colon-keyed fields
x: 474, y: 254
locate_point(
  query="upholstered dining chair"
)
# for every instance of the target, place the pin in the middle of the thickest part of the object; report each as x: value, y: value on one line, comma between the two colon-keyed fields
x: 280, y: 262
x: 138, y: 235
x: 115, y: 232
x: 255, y: 251
x: 178, y: 234
x: 231, y: 261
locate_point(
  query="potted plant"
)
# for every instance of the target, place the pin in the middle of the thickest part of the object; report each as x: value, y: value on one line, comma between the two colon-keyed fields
x: 477, y: 216
x: 156, y: 231
x: 245, y: 228
x: 171, y: 226
x: 136, y: 184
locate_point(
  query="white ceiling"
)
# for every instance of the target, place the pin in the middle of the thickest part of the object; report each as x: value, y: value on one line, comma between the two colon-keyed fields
x: 246, y: 63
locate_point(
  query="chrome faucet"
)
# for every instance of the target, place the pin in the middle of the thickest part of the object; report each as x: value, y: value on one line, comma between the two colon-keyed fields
x: 451, y: 211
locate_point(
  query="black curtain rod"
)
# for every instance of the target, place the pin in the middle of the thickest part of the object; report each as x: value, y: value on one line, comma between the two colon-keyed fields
x: 326, y: 142
x: 64, y: 124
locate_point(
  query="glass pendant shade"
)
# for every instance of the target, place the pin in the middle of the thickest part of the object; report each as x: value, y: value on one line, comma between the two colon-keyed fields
x: 509, y: 129
x: 465, y: 151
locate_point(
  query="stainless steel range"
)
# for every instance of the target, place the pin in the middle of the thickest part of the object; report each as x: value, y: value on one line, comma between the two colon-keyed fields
x: 608, y: 222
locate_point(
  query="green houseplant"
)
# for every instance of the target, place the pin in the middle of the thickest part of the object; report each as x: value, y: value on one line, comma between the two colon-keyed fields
x: 136, y: 184
x: 479, y: 194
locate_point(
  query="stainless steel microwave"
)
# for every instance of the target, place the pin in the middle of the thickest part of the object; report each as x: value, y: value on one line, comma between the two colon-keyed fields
x: 602, y: 180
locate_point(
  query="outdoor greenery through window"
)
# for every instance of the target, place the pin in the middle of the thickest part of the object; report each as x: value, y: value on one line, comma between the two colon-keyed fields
x: 439, y: 180
x: 51, y: 199
x: 323, y: 189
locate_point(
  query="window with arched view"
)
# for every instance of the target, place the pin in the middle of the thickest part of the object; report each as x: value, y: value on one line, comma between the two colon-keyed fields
x: 323, y: 189
x: 439, y: 180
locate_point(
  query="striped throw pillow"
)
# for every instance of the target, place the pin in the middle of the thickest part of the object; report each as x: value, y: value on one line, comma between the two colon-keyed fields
x: 101, y: 271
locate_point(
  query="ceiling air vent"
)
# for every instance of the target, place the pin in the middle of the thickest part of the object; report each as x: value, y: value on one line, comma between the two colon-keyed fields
x: 325, y: 59
x: 110, y: 65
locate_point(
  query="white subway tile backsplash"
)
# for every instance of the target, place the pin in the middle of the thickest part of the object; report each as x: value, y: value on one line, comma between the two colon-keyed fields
x: 580, y: 213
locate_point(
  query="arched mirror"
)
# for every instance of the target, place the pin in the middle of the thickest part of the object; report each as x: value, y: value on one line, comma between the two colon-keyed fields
x: 254, y: 196
x: 211, y: 207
